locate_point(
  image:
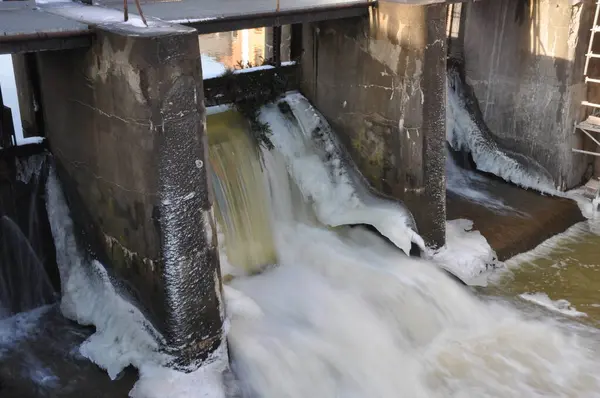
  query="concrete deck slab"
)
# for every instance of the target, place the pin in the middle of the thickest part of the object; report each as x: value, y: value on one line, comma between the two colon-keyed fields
x: 25, y: 27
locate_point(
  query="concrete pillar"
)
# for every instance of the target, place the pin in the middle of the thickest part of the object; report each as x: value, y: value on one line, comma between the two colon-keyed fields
x: 380, y: 82
x: 525, y: 62
x: 125, y: 121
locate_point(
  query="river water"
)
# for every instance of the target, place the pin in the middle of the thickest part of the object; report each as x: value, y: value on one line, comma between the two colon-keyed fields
x: 562, y: 274
x: 318, y: 308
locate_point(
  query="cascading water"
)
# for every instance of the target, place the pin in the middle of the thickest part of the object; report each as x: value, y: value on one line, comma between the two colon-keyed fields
x: 239, y: 190
x: 471, y: 185
x: 328, y: 180
x: 24, y: 281
x: 346, y: 315
x: 343, y: 313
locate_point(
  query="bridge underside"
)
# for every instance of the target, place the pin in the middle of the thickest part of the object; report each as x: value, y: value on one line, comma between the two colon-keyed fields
x: 29, y: 27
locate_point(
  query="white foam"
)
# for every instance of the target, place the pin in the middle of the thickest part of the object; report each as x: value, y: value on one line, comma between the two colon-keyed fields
x: 52, y: 1
x: 100, y: 15
x: 211, y: 68
x: 163, y: 382
x: 337, y: 320
x: 562, y: 306
x: 472, y: 186
x: 19, y: 327
x: 546, y: 248
x: 466, y: 253
x: 588, y: 208
x: 327, y: 180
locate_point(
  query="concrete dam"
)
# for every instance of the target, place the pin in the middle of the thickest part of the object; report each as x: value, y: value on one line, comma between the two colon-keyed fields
x: 292, y: 199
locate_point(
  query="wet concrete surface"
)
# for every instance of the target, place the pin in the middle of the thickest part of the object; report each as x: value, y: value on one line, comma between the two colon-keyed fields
x: 39, y: 357
x: 525, y: 220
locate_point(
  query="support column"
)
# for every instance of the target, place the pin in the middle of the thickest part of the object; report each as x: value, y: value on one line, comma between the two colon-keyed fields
x: 431, y: 216
x: 125, y: 121
x: 530, y: 83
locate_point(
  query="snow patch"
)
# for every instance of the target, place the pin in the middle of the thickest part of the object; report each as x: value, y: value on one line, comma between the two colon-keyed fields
x: 562, y: 306
x: 28, y: 167
x: 52, y: 1
x: 99, y: 15
x: 467, y: 253
x: 30, y: 140
x: 587, y: 207
x: 212, y: 110
x: 216, y: 69
x: 211, y: 68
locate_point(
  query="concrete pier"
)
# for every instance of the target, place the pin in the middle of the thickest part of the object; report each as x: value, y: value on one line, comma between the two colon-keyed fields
x: 125, y: 120
x: 380, y: 82
x: 525, y: 63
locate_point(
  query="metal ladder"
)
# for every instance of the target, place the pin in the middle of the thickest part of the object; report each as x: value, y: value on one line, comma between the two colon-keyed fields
x: 591, y: 125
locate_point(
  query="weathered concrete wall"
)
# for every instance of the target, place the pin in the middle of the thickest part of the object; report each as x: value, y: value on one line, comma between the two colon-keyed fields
x: 125, y: 120
x: 525, y: 64
x: 380, y: 82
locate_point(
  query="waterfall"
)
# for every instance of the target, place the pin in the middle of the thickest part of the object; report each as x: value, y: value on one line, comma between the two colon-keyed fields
x: 24, y: 280
x: 342, y: 312
x: 238, y: 184
x: 346, y: 315
x: 466, y: 131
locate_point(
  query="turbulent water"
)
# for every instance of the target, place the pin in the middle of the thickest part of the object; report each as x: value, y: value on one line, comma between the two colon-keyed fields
x: 343, y: 312
x: 561, y: 275
x: 241, y: 198
x: 24, y: 282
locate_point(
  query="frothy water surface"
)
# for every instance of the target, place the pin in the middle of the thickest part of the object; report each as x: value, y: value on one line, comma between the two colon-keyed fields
x: 344, y: 313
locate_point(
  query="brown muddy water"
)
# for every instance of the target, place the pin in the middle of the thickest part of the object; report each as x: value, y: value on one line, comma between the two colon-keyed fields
x: 562, y: 274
